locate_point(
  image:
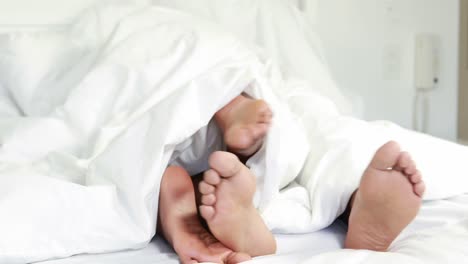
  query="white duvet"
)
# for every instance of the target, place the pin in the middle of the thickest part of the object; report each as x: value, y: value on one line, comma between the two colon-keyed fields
x: 91, y: 116
x: 101, y: 108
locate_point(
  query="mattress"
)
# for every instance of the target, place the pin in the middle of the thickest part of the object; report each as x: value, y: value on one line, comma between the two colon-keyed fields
x: 438, y: 235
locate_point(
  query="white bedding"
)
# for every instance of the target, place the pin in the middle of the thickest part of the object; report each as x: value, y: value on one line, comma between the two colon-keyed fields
x: 89, y: 150
x: 289, y: 246
x: 438, y: 235
x: 282, y: 33
x: 102, y: 107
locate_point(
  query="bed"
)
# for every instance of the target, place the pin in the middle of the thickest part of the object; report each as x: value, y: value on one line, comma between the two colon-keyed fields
x: 438, y: 235
x: 444, y: 243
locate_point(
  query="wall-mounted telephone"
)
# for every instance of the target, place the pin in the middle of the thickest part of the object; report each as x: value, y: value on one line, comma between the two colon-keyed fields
x: 425, y: 61
x: 425, y: 77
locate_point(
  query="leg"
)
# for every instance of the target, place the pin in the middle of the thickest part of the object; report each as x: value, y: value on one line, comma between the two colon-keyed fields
x: 180, y: 225
x: 388, y: 199
x: 244, y: 123
x: 227, y: 192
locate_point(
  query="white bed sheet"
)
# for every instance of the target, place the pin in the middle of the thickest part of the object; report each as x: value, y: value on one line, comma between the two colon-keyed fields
x: 438, y: 235
x: 289, y: 246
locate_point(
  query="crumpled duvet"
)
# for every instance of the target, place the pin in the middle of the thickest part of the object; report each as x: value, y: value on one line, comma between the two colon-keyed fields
x: 92, y: 115
x: 101, y: 107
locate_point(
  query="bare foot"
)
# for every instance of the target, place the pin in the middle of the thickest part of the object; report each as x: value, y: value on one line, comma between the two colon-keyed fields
x: 180, y: 225
x: 227, y: 192
x: 388, y: 199
x: 244, y: 122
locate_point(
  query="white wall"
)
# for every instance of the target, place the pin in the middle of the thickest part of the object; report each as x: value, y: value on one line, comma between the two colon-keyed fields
x: 357, y: 35
x: 370, y: 49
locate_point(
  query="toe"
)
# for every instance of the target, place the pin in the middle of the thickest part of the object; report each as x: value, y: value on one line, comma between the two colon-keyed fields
x: 386, y: 156
x: 207, y: 212
x: 258, y: 131
x: 406, y: 164
x: 264, y: 114
x: 411, y: 169
x: 209, y: 199
x: 262, y: 106
x: 206, y: 188
x: 255, y: 131
x: 404, y: 160
x: 225, y: 163
x: 415, y: 178
x: 263, y: 128
x: 211, y: 177
x: 265, y: 117
x: 419, y: 189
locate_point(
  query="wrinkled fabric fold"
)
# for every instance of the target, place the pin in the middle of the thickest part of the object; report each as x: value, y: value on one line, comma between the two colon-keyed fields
x: 80, y: 167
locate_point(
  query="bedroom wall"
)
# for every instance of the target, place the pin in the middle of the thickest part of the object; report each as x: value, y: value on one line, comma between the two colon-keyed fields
x: 35, y: 14
x: 463, y: 73
x: 370, y: 49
